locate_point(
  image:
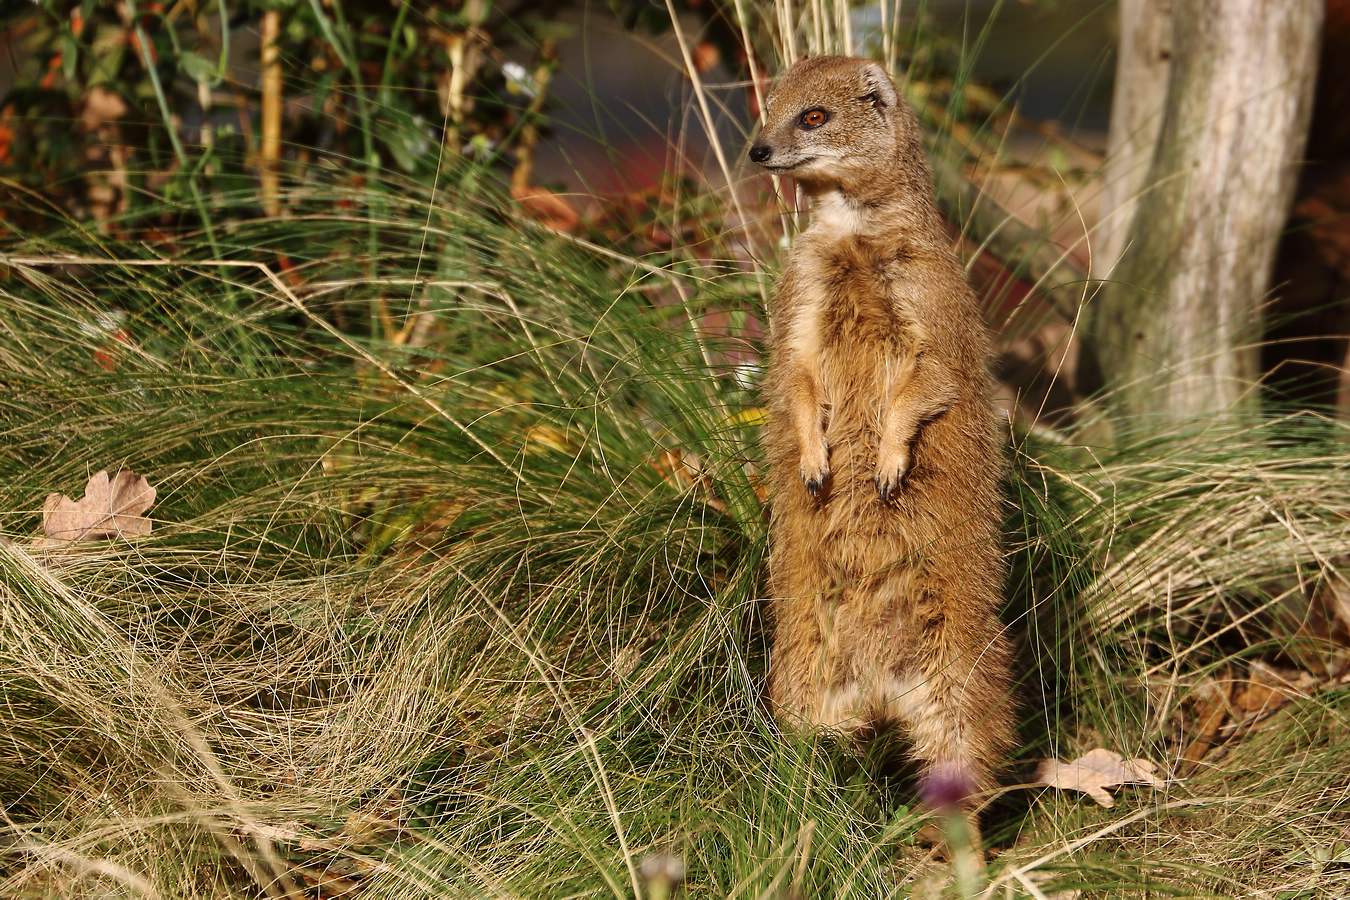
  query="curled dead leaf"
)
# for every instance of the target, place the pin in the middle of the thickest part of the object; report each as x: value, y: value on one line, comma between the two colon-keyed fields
x: 679, y: 469
x: 1211, y: 702
x: 1095, y: 771
x: 110, y: 507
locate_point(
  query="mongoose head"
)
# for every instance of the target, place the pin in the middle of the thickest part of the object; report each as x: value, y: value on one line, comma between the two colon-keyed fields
x: 834, y: 123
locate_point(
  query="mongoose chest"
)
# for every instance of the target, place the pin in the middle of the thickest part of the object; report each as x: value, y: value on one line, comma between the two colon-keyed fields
x: 853, y: 304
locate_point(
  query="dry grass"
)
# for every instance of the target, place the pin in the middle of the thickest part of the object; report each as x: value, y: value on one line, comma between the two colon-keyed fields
x: 482, y: 620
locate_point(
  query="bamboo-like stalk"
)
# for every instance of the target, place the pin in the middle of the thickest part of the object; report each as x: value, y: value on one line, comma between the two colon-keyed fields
x: 787, y: 33
x: 709, y: 125
x: 777, y: 181
x: 465, y: 58
x: 886, y: 43
x: 845, y: 26
x: 522, y: 174
x: 269, y: 148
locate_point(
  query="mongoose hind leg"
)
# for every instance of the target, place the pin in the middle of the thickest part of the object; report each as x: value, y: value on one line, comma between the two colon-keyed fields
x: 957, y: 713
x: 810, y: 688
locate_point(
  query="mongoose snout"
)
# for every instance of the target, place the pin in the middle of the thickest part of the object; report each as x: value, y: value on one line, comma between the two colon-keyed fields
x: 885, y: 454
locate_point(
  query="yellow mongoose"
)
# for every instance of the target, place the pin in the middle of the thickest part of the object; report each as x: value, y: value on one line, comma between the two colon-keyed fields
x: 884, y: 451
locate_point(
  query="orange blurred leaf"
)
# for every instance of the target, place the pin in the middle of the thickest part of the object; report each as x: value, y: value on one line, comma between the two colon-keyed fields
x: 548, y: 209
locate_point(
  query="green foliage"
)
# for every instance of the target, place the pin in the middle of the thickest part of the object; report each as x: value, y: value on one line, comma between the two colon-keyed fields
x: 165, y: 99
x: 476, y: 613
x: 361, y: 84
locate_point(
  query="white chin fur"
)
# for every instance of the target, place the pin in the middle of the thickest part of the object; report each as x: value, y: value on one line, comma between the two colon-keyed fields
x: 833, y: 215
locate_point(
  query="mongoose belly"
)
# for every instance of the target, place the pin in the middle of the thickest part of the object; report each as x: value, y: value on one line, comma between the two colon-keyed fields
x: 865, y: 351
x: 858, y: 574
x: 848, y: 562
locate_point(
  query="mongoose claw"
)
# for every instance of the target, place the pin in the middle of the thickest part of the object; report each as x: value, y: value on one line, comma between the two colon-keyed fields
x: 815, y: 469
x: 888, y: 483
x: 884, y: 488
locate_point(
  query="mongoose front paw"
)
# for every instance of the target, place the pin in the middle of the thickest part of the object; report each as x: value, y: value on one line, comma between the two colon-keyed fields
x: 816, y: 468
x: 890, y: 476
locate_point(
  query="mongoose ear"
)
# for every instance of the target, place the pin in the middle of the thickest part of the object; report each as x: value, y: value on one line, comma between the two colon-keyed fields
x: 878, y: 87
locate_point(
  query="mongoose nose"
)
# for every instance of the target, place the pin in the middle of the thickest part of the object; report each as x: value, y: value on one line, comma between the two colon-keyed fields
x: 760, y: 152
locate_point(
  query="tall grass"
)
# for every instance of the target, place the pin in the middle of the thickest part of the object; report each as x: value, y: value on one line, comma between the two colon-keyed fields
x: 480, y: 616
x: 464, y: 600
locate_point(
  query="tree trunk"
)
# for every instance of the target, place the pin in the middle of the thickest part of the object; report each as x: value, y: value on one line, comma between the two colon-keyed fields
x: 1174, y: 332
x: 1143, y: 61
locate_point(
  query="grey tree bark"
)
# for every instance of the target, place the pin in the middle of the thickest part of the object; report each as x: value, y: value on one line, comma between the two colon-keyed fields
x: 1173, y: 332
x: 1143, y: 62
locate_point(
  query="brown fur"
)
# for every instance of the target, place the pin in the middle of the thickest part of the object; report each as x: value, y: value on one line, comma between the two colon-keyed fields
x: 886, y: 586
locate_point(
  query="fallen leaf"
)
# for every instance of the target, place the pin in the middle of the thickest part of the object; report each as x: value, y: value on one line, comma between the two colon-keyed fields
x: 1268, y: 688
x: 1095, y: 771
x: 549, y: 209
x: 111, y: 507
x: 1211, y: 710
x: 705, y: 56
x: 327, y: 884
x: 679, y: 469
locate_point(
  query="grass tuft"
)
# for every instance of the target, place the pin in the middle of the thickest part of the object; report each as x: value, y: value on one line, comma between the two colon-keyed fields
x: 477, y: 614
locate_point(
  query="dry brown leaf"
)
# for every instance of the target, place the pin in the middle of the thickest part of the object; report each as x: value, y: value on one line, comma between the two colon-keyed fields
x: 1268, y: 688
x: 679, y: 469
x: 682, y: 470
x: 1095, y: 771
x: 111, y: 507
x: 1212, y: 702
x: 705, y: 56
x: 328, y: 884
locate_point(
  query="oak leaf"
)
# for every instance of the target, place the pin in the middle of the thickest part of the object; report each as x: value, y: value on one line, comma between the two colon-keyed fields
x: 1095, y: 771
x: 110, y: 507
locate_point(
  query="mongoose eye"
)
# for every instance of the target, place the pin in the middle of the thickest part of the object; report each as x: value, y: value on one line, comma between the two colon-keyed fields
x: 813, y: 118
